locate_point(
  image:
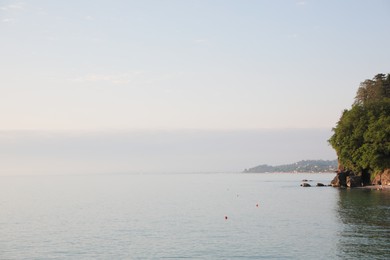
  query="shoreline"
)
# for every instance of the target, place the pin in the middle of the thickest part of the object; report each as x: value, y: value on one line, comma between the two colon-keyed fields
x: 375, y: 187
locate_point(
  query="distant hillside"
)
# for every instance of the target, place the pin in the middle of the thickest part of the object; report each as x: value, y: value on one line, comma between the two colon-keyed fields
x: 301, y: 166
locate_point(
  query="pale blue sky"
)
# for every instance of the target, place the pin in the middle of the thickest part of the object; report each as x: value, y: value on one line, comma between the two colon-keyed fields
x: 105, y: 86
x: 186, y: 64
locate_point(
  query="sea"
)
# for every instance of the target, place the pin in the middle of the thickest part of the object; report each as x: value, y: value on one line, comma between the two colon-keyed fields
x: 190, y: 216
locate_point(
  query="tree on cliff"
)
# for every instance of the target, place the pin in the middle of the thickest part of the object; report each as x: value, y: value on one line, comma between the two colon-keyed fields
x: 362, y: 135
x: 373, y: 90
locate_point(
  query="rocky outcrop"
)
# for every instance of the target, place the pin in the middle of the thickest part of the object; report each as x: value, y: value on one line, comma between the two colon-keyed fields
x: 305, y: 184
x: 354, y: 181
x: 382, y: 178
x: 347, y: 179
x: 340, y: 180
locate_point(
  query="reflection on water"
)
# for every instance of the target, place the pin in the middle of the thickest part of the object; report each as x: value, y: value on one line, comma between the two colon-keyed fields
x: 365, y: 218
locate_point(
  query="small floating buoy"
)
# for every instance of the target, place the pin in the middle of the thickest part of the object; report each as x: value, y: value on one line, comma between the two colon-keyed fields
x: 257, y: 205
x: 226, y: 217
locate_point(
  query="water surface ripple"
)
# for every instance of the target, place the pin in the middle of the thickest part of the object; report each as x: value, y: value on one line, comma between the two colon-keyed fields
x: 182, y: 216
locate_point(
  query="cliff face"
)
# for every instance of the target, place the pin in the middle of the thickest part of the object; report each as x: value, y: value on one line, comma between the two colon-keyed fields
x: 346, y: 178
x: 382, y: 178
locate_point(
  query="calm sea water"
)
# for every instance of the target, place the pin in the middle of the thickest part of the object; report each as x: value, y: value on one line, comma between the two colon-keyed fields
x: 169, y: 216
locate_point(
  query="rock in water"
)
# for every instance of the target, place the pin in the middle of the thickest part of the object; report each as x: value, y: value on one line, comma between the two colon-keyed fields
x: 354, y: 181
x: 340, y: 180
x: 305, y: 184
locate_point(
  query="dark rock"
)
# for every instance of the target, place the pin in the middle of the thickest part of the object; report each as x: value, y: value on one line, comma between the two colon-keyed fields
x: 305, y: 184
x: 335, y: 182
x: 320, y: 185
x: 340, y: 180
x: 343, y: 178
x: 354, y: 181
x: 304, y: 180
x: 366, y: 177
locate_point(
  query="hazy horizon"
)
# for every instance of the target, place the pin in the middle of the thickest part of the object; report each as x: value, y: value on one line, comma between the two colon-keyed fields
x: 51, y: 152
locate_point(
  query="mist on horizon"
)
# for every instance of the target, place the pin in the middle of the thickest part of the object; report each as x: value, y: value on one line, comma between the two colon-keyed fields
x: 49, y: 152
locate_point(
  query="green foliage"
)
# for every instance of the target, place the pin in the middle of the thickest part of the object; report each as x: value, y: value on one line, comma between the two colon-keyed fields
x: 362, y: 136
x: 373, y: 90
x: 301, y: 166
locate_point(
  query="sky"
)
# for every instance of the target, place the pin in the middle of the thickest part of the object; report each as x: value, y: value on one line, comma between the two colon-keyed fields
x: 173, y: 151
x: 217, y: 66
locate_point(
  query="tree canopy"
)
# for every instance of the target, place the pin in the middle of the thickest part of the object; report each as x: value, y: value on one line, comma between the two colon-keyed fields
x: 361, y: 137
x: 373, y: 90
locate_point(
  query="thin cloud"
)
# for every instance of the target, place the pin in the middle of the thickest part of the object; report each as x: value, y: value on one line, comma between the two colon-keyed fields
x: 301, y: 3
x: 202, y: 41
x: 119, y: 79
x: 8, y: 20
x: 10, y: 10
x: 293, y: 36
x: 136, y: 77
x: 11, y: 7
x: 89, y: 18
x: 51, y: 38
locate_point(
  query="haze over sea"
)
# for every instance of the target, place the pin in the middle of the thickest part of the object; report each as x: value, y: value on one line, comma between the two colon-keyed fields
x: 170, y: 216
x: 70, y: 152
x: 124, y: 125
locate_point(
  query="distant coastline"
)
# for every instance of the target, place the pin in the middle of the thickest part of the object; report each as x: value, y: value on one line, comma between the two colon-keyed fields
x: 310, y: 166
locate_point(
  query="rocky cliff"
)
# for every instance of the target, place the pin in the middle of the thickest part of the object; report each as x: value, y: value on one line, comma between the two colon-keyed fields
x: 345, y: 178
x: 382, y: 178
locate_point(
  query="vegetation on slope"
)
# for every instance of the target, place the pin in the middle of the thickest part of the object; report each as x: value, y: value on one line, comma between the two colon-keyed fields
x: 301, y: 166
x: 362, y: 135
